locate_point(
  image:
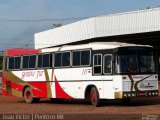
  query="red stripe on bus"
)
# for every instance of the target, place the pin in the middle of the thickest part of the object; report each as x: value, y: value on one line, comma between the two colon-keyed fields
x: 5, y: 93
x: 60, y: 93
x: 39, y: 89
x: 13, y: 52
x: 3, y: 79
x: 17, y: 87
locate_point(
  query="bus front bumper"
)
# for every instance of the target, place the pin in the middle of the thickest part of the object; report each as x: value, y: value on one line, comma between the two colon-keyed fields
x: 132, y: 94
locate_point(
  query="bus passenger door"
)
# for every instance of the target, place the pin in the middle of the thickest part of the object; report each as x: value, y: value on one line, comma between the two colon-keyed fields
x: 97, y: 64
x: 102, y: 71
x: 108, y: 84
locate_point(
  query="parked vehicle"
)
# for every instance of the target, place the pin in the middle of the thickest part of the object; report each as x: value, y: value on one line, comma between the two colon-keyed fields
x: 93, y: 71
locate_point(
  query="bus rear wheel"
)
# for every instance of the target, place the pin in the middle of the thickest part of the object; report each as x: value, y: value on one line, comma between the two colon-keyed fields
x: 94, y: 97
x: 28, y: 96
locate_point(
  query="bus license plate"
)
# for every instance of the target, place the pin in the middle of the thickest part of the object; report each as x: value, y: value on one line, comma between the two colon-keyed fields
x: 142, y: 94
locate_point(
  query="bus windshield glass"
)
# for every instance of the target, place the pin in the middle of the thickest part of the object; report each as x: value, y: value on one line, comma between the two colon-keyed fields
x: 135, y: 61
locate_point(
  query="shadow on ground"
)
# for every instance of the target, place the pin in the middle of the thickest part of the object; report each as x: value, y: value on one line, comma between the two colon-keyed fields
x: 134, y: 102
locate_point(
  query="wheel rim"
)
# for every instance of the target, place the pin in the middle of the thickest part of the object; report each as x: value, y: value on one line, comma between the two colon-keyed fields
x: 93, y: 97
x: 28, y: 95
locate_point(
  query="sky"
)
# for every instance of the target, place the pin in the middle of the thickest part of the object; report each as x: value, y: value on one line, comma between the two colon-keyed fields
x: 20, y: 19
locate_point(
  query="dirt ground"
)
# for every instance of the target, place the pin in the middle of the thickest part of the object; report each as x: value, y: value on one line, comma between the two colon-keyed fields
x: 138, y: 107
x: 80, y: 109
x: 13, y: 105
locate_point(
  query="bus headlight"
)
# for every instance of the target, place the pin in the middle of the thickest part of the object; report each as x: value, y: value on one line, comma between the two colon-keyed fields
x: 133, y: 94
x: 129, y: 95
x: 125, y: 95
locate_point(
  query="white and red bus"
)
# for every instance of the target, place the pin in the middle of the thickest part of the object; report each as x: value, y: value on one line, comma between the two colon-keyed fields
x: 94, y: 71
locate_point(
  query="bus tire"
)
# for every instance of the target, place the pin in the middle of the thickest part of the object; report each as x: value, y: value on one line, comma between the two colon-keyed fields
x: 94, y: 97
x: 28, y: 95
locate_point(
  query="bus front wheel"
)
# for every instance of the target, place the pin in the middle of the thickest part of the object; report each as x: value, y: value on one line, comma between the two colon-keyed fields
x: 94, y: 97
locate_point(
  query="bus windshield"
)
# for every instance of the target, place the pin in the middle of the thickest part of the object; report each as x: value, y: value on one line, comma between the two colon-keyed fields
x: 135, y: 61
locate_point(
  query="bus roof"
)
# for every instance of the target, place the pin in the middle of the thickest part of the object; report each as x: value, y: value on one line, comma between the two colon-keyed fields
x: 93, y: 46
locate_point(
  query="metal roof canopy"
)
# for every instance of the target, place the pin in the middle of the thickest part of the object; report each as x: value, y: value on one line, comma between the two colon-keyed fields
x: 141, y: 25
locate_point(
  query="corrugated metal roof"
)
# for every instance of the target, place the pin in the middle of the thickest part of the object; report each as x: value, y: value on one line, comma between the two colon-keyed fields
x: 107, y: 25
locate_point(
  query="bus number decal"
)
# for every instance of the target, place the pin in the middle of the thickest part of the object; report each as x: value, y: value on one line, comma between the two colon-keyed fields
x: 86, y: 71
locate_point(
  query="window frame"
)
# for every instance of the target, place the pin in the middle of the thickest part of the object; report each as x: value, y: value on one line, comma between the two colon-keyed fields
x: 35, y: 61
x: 69, y: 59
x: 42, y: 60
x: 55, y: 60
x: 62, y: 58
x: 80, y: 58
x: 50, y: 66
x: 98, y: 65
x: 20, y: 62
x: 28, y: 62
x: 104, y: 64
x: 72, y: 58
x: 7, y: 62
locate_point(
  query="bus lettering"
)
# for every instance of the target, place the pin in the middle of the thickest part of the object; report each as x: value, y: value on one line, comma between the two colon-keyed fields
x: 28, y: 74
x: 39, y: 74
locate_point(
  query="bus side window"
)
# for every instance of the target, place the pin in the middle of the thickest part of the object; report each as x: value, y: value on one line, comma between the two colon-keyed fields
x: 62, y: 59
x: 58, y: 60
x: 25, y: 62
x: 46, y: 60
x: 76, y: 58
x: 66, y: 59
x: 40, y: 60
x: 85, y: 57
x: 14, y: 63
x: 97, y: 64
x: 17, y: 63
x: 107, y: 68
x: 81, y: 58
x: 11, y: 63
x: 32, y: 61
